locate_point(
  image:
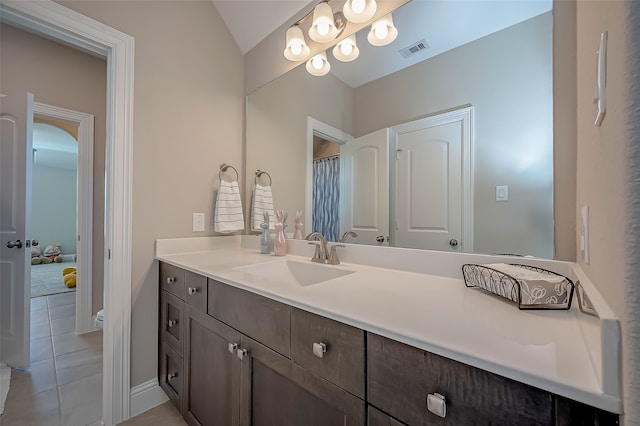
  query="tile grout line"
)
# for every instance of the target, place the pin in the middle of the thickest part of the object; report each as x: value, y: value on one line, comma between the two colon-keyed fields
x: 55, y: 367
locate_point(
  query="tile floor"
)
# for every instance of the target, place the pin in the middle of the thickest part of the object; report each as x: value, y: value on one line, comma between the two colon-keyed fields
x: 64, y: 384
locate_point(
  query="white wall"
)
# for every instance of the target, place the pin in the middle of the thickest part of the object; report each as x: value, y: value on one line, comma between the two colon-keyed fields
x: 188, y: 119
x: 53, y: 209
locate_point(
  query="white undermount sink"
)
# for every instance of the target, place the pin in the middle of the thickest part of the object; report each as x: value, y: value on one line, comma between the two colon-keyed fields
x: 293, y: 272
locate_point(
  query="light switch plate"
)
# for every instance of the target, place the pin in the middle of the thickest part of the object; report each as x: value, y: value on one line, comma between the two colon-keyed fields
x: 502, y: 193
x: 198, y: 222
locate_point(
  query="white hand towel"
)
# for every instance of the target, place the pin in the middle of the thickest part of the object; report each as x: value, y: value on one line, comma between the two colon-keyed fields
x: 262, y: 202
x: 228, y: 215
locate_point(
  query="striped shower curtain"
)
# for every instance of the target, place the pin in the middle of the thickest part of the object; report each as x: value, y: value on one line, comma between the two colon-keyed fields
x: 326, y: 195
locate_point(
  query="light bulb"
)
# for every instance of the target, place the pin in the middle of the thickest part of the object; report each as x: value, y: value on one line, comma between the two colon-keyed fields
x: 346, y: 48
x: 317, y: 62
x: 381, y: 32
x: 296, y: 48
x: 358, y: 6
x: 323, y: 28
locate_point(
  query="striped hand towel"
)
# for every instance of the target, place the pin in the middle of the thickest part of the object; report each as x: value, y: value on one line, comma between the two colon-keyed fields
x: 262, y: 202
x: 228, y: 215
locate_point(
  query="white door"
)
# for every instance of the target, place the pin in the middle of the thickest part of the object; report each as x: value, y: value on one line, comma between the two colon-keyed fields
x: 432, y: 205
x: 364, y: 195
x: 16, y: 117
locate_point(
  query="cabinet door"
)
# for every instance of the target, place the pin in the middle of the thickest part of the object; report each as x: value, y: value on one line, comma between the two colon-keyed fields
x: 212, y: 371
x: 342, y: 362
x: 170, y: 374
x: 400, y: 377
x: 171, y: 319
x: 276, y: 391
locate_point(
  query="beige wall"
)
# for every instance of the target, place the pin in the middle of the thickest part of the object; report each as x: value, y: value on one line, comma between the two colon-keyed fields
x: 60, y: 76
x: 188, y: 119
x: 602, y: 169
x: 277, y: 130
x: 507, y: 78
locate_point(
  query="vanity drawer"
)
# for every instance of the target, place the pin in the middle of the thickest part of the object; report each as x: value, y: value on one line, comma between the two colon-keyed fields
x: 399, y: 378
x: 195, y: 293
x: 170, y: 374
x: 264, y: 320
x: 343, y: 361
x: 172, y: 279
x: 171, y: 320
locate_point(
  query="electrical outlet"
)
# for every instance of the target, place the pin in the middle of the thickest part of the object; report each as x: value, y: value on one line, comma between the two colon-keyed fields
x: 198, y: 222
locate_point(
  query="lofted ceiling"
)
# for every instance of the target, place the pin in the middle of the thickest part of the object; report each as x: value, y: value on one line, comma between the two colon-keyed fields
x: 442, y: 24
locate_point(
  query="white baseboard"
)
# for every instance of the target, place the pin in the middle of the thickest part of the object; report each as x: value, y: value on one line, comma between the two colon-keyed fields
x: 145, y: 396
x: 68, y: 257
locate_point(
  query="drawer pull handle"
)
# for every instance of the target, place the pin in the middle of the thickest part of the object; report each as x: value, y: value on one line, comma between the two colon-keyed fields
x: 172, y: 376
x: 242, y: 353
x: 437, y: 404
x: 319, y: 349
x: 171, y: 280
x: 233, y: 347
x: 192, y: 290
x: 172, y: 323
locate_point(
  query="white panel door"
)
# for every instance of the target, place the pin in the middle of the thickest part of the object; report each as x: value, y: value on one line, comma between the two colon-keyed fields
x: 16, y: 117
x: 430, y: 191
x: 364, y: 193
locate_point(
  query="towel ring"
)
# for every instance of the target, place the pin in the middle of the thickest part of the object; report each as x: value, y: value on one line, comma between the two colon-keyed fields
x: 224, y: 167
x: 259, y: 174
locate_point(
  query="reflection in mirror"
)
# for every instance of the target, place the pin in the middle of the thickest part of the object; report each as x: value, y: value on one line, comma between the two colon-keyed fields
x: 505, y: 77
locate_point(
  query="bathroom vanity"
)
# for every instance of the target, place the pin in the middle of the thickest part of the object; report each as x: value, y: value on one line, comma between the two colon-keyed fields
x: 246, y: 339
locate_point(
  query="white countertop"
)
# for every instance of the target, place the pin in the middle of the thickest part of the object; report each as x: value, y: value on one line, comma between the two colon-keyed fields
x: 557, y: 351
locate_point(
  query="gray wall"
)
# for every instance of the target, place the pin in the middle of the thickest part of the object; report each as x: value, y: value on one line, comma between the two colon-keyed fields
x: 277, y: 130
x: 507, y: 78
x: 60, y: 76
x: 53, y: 208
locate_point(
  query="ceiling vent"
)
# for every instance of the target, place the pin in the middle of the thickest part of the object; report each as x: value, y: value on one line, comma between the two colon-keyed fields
x: 416, y: 47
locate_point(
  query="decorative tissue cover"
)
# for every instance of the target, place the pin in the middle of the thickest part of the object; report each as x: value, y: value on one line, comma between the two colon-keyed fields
x: 536, y: 287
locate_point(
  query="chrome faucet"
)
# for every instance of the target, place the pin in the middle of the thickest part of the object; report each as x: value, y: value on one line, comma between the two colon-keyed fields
x: 320, y: 255
x: 348, y: 234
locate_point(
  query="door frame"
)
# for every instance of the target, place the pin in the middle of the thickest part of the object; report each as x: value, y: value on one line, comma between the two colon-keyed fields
x: 84, y: 222
x: 325, y: 131
x: 54, y: 21
x: 463, y: 115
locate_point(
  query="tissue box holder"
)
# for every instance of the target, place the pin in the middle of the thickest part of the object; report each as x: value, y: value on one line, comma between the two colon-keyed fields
x: 504, y: 285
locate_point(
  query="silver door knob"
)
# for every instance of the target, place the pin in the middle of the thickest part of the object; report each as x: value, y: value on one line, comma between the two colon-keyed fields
x: 172, y: 323
x: 242, y: 353
x: 453, y: 242
x: 319, y: 349
x: 172, y: 376
x: 16, y: 244
x: 437, y: 404
x: 380, y: 239
x: 171, y: 280
x: 192, y: 290
x: 233, y: 347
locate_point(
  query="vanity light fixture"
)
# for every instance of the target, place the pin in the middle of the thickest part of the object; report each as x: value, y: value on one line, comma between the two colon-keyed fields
x: 359, y: 11
x: 318, y: 65
x: 323, y: 29
x: 297, y: 49
x: 326, y: 26
x: 346, y: 50
x: 382, y: 31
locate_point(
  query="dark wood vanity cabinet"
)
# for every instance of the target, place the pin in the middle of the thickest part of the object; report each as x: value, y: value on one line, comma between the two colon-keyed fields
x: 211, y: 370
x: 232, y: 357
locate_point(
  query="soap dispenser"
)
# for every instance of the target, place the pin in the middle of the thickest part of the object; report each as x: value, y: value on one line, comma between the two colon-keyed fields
x: 265, y: 239
x: 280, y: 243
